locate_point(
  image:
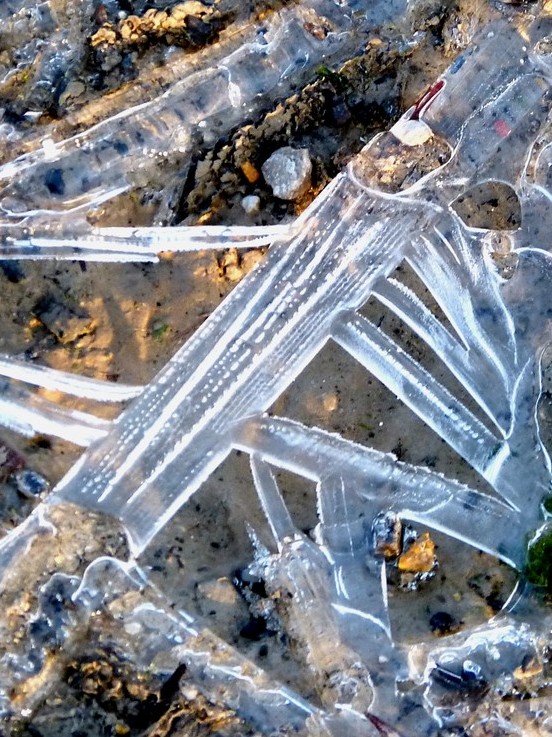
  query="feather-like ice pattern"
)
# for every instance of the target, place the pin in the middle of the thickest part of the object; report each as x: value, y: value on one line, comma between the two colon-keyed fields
x: 393, y: 204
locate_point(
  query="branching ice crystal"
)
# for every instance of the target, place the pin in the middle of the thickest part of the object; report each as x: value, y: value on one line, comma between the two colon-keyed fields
x: 485, y: 122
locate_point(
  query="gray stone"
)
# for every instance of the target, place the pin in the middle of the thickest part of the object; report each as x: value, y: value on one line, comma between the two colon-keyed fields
x: 288, y: 172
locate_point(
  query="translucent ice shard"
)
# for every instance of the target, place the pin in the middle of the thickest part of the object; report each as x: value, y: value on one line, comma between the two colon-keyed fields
x: 140, y: 244
x: 30, y: 413
x: 415, y: 493
x: 64, y: 381
x: 242, y: 358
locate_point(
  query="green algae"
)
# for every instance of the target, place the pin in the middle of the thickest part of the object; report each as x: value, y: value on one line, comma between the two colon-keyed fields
x: 538, y: 569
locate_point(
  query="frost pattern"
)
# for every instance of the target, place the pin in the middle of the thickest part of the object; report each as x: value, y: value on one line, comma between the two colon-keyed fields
x: 488, y: 120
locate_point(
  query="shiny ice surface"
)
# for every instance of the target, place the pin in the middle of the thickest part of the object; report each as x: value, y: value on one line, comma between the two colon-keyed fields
x: 487, y: 120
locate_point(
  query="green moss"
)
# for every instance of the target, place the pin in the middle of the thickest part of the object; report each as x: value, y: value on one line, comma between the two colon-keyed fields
x: 159, y: 330
x: 538, y: 568
x: 338, y: 80
x: 547, y: 506
x: 365, y: 426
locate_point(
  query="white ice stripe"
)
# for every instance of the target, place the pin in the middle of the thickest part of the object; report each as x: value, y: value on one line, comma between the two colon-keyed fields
x: 49, y: 419
x: 175, y: 237
x: 126, y: 244
x: 272, y: 502
x: 68, y: 383
x: 64, y: 251
x: 417, y: 389
x: 469, y: 366
x: 341, y: 609
x: 300, y: 308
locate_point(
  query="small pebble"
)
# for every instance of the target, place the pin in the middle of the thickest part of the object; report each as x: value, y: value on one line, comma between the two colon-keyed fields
x: 66, y: 323
x: 133, y: 628
x: 387, y: 535
x: 73, y: 90
x: 442, y: 623
x: 420, y: 556
x: 233, y: 273
x: 29, y: 483
x: 250, y: 172
x: 251, y: 204
x: 288, y: 172
x: 254, y: 629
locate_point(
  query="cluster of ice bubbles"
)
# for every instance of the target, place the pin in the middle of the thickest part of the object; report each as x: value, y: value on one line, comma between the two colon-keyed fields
x: 487, y: 121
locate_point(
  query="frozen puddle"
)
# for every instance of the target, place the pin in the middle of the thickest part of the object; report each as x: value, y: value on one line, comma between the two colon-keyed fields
x: 386, y: 272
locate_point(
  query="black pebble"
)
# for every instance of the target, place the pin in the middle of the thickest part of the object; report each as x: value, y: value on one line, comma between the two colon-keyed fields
x: 254, y: 629
x: 54, y: 181
x: 197, y: 31
x: 29, y: 483
x: 442, y: 623
x: 12, y: 271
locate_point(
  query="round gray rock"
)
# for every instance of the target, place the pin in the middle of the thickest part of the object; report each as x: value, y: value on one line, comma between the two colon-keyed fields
x: 288, y: 172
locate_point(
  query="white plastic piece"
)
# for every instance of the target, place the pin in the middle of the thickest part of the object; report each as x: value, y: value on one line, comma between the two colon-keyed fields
x: 411, y: 132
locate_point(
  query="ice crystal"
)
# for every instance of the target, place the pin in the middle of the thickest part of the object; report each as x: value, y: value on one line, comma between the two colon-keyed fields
x: 485, y: 122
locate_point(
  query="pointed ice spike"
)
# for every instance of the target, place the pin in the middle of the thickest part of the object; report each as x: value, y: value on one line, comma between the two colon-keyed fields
x: 30, y: 414
x: 195, y: 237
x: 68, y: 383
x: 139, y: 244
x: 416, y: 493
x: 272, y: 502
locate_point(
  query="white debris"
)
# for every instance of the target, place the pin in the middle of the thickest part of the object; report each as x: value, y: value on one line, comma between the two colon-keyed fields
x: 412, y: 132
x: 251, y: 204
x: 288, y: 172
